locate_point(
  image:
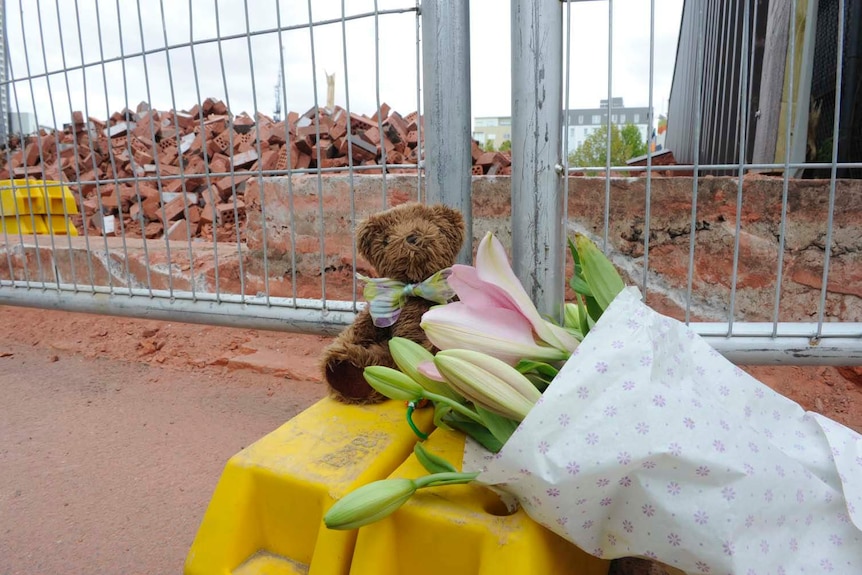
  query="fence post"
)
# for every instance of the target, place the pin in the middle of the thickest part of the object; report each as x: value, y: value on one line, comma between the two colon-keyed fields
x: 538, y: 206
x: 446, y: 82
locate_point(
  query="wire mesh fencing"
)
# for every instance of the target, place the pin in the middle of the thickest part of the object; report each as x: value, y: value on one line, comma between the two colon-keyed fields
x: 216, y: 158
x: 211, y: 199
x: 735, y: 216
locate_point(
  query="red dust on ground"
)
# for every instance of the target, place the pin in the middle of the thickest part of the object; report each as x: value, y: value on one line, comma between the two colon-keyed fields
x: 114, y: 431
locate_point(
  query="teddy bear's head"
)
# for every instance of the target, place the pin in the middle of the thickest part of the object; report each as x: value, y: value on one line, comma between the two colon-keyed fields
x: 412, y: 241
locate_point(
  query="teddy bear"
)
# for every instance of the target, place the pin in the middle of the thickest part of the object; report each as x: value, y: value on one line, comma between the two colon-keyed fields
x: 411, y: 247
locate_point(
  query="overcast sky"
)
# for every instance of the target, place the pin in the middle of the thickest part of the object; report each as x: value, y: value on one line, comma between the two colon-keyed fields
x: 85, y: 32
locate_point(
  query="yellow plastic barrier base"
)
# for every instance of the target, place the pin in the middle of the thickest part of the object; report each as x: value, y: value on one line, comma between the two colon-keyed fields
x: 463, y: 530
x: 25, y: 224
x: 26, y: 209
x: 266, y: 515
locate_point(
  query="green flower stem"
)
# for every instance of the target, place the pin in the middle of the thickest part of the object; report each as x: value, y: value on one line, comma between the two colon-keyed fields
x: 456, y: 406
x: 446, y: 478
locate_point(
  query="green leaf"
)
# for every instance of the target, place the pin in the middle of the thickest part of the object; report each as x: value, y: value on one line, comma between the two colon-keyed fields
x: 540, y: 382
x: 578, y: 283
x: 500, y: 427
x: 546, y: 369
x: 440, y: 412
x: 583, y: 316
x: 478, y: 432
x: 431, y: 461
x: 594, y: 310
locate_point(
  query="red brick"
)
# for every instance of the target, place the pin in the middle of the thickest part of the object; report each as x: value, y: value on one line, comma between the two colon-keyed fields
x: 371, y: 135
x: 135, y: 211
x: 220, y: 143
x: 225, y: 212
x: 78, y: 118
x: 362, y: 150
x: 340, y: 162
x: 359, y: 123
x: 219, y: 165
x: 151, y: 207
x: 243, y: 121
x: 382, y: 113
x: 91, y: 206
x: 338, y: 130
x: 174, y: 209
x: 486, y: 159
x: 303, y: 146
x: 33, y: 172
x: 153, y: 230
x: 303, y: 161
x: 397, y: 123
x: 174, y: 186
x: 178, y: 230
x: 277, y: 134
x: 476, y: 151
x: 478, y: 170
x: 163, y: 169
x: 244, y: 159
x: 411, y: 121
x: 31, y: 155
x: 269, y: 160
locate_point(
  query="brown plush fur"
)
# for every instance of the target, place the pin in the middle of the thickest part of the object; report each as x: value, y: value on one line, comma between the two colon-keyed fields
x: 409, y: 243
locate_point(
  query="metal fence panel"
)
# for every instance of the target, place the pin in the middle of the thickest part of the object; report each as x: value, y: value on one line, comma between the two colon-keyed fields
x: 206, y: 214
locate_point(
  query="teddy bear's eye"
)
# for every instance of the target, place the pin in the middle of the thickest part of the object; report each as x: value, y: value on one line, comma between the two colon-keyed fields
x: 385, y: 240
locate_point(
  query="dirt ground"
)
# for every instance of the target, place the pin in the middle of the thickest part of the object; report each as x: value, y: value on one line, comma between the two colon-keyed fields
x: 114, y: 431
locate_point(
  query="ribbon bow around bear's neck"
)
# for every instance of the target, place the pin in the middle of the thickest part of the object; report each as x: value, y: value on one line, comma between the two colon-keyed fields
x: 386, y: 296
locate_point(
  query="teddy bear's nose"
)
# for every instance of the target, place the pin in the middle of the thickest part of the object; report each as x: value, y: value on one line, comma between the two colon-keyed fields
x: 412, y: 239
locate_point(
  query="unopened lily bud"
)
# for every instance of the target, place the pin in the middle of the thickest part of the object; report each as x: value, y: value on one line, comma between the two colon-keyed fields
x: 408, y: 355
x: 392, y: 383
x: 571, y: 316
x: 496, y: 390
x: 369, y: 503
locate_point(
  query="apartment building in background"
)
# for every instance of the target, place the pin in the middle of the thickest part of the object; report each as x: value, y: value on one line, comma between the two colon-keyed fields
x: 582, y: 122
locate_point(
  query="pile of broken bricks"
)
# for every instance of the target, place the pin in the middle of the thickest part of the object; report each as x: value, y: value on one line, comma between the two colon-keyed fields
x: 181, y: 174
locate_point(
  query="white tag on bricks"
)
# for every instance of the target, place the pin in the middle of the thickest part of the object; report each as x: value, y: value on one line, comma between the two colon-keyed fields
x: 650, y: 444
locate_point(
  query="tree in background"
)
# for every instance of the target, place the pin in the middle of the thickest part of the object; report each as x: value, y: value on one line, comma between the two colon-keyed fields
x: 626, y: 143
x: 489, y: 146
x: 506, y: 145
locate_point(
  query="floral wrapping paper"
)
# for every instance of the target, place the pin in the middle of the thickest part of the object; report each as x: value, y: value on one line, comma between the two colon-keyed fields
x: 649, y: 443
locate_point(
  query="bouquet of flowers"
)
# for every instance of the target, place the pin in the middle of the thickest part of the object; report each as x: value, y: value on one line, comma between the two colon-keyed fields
x: 621, y: 430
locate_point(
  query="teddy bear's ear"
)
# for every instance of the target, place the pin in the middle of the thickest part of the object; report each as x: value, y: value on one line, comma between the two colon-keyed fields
x: 370, y: 232
x: 451, y: 224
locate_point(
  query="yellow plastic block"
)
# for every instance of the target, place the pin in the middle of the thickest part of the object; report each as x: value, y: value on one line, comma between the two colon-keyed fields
x: 25, y: 224
x: 57, y: 198
x: 463, y: 530
x: 60, y: 225
x: 16, y: 198
x: 266, y: 515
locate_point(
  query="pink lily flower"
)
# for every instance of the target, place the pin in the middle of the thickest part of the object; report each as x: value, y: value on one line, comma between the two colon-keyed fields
x: 495, y: 315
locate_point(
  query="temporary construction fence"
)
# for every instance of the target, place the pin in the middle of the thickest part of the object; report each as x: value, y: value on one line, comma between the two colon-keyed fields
x: 212, y: 215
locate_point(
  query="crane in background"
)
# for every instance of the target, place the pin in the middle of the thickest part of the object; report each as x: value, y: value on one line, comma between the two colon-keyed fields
x: 276, y: 114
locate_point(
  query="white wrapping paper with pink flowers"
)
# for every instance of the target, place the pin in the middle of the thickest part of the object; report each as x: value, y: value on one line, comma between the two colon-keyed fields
x: 649, y: 443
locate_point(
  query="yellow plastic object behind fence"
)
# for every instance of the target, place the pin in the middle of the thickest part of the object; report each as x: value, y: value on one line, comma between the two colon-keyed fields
x: 266, y: 515
x: 463, y: 530
x: 41, y: 208
x: 24, y: 224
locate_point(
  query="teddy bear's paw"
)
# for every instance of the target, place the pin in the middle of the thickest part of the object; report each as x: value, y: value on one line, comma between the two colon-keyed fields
x: 347, y: 383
